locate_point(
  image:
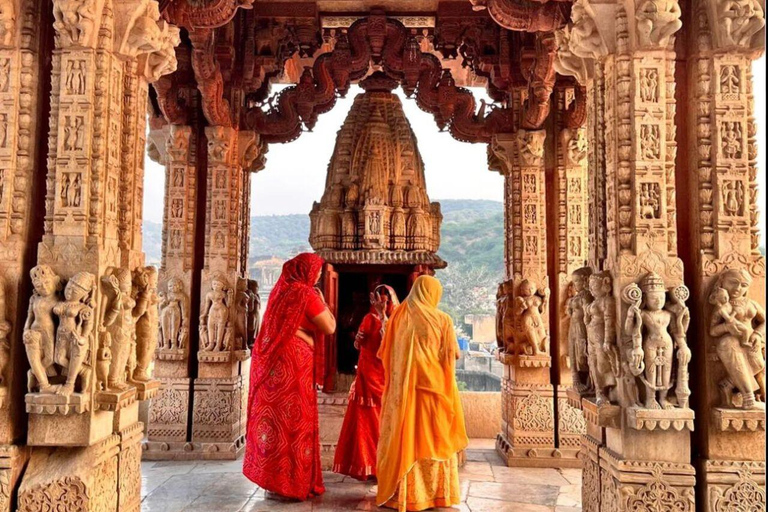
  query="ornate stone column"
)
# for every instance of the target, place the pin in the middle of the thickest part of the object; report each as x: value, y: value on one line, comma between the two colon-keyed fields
x: 221, y: 389
x: 728, y: 268
x: 528, y: 416
x: 175, y: 147
x: 80, y: 336
x: 20, y: 115
x: 637, y: 452
x: 569, y: 215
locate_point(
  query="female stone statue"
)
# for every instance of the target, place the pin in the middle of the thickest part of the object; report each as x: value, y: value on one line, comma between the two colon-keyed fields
x: 214, y: 322
x: 738, y: 325
x: 577, y: 329
x: 174, y: 318
x: 39, y: 329
x: 599, y: 317
x: 5, y: 330
x: 73, y: 335
x: 530, y: 311
x: 146, y: 313
x: 119, y: 321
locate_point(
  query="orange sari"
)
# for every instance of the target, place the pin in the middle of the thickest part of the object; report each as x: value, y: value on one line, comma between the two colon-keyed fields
x: 422, y: 423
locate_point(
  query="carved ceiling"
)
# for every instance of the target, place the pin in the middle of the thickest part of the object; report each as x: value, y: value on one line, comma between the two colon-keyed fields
x: 233, y: 50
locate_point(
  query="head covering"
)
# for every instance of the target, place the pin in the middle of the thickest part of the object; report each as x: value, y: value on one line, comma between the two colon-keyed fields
x: 285, y: 312
x: 421, y: 416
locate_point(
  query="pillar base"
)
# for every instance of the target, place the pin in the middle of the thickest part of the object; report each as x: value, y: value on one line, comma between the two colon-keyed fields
x: 168, y: 412
x: 219, y: 411
x: 732, y: 485
x: 129, y: 468
x: 183, y: 451
x: 82, y: 479
x: 543, y: 457
x: 570, y: 426
x: 628, y: 485
x: 13, y: 460
x: 590, y: 474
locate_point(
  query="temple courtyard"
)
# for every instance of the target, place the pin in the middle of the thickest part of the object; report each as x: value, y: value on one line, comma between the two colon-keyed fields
x: 487, y: 485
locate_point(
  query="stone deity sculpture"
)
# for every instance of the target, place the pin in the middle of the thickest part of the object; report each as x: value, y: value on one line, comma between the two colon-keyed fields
x: 742, y: 19
x: 174, y: 317
x: 40, y: 328
x: 530, y: 310
x: 146, y: 314
x: 73, y: 336
x: 737, y: 323
x: 602, y: 353
x: 577, y: 329
x: 656, y: 328
x: 242, y: 307
x: 215, y: 330
x: 657, y: 21
x: 118, y: 321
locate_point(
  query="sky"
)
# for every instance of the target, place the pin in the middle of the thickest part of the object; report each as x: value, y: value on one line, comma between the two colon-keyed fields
x: 295, y: 173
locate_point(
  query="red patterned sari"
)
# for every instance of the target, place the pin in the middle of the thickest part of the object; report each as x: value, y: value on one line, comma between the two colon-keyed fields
x: 359, y: 438
x: 282, y: 452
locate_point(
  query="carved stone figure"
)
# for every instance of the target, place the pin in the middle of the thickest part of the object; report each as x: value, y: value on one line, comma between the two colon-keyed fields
x: 7, y: 23
x: 737, y: 323
x: 163, y: 61
x: 75, y: 21
x: 600, y: 319
x: 657, y: 21
x: 146, y: 314
x: 254, y: 312
x: 741, y: 19
x: 568, y: 63
x: 656, y: 329
x: 174, y: 317
x: 215, y: 329
x: 530, y: 310
x: 585, y: 40
x: 73, y: 336
x: 118, y: 321
x: 577, y: 329
x: 242, y: 306
x: 5, y: 330
x: 40, y: 328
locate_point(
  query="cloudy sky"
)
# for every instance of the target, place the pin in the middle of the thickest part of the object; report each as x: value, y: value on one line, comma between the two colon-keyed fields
x: 295, y: 172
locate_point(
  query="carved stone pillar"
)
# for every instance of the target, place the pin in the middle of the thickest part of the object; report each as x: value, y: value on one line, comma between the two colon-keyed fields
x: 175, y: 147
x: 569, y: 215
x: 728, y: 268
x: 528, y: 416
x: 20, y: 115
x: 221, y: 388
x: 638, y: 320
x: 87, y: 319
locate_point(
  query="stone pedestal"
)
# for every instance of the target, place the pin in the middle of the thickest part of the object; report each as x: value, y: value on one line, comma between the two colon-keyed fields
x: 73, y: 478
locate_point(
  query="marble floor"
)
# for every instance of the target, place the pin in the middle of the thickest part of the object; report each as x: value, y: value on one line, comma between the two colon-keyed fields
x: 487, y: 486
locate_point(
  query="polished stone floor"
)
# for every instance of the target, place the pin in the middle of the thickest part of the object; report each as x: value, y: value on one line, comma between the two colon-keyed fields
x: 487, y: 486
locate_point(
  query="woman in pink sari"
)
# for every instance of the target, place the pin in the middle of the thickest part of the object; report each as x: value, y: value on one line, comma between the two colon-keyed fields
x: 282, y: 451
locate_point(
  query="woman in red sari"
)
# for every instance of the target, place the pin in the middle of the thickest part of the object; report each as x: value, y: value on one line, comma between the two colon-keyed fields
x: 359, y: 438
x: 282, y: 452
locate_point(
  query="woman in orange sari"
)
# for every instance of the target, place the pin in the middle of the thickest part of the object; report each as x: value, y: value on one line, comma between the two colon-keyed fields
x: 282, y: 451
x: 356, y: 449
x: 422, y: 423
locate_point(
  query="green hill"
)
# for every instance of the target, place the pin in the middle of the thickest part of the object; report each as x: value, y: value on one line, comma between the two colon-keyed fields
x: 472, y: 244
